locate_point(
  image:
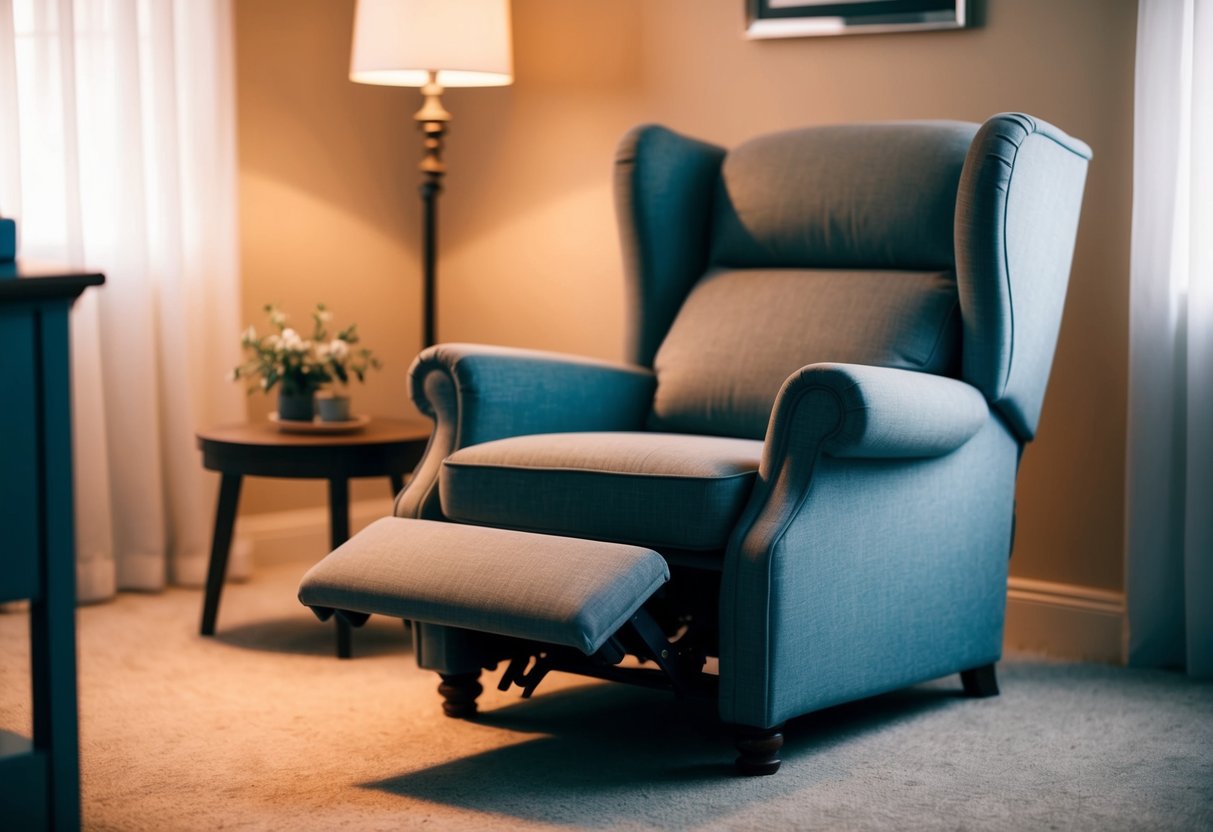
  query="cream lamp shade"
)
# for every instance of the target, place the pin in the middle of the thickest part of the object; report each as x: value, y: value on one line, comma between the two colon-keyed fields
x: 400, y: 42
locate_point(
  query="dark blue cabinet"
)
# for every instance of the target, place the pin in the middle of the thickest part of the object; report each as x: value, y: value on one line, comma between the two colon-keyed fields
x: 40, y: 779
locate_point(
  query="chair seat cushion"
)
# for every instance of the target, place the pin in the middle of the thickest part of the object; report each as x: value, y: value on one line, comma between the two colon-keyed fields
x: 662, y: 490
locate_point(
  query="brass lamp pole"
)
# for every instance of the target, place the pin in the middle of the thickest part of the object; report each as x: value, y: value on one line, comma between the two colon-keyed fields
x: 432, y: 119
x: 432, y: 44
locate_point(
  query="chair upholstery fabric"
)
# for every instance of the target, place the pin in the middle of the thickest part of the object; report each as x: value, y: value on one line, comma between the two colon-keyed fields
x: 876, y: 483
x: 663, y: 194
x: 741, y: 333
x: 871, y: 196
x: 479, y: 393
x: 1016, y: 218
x: 876, y: 308
x: 553, y: 590
x: 650, y: 489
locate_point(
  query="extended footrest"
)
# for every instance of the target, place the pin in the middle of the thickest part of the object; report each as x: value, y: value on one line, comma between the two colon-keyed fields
x: 556, y: 590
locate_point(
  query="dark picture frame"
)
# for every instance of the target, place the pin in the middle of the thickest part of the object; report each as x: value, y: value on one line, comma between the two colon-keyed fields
x: 808, y: 18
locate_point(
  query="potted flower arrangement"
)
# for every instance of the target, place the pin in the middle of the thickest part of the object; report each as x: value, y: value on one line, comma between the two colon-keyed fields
x: 299, y: 367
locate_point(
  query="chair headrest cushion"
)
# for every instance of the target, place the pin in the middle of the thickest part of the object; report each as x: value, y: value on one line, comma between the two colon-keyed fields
x: 851, y: 196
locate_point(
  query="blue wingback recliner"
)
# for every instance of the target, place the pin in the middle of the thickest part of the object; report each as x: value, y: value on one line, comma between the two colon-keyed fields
x: 839, y: 341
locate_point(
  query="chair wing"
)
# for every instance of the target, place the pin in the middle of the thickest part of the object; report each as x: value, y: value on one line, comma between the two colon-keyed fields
x: 1016, y: 219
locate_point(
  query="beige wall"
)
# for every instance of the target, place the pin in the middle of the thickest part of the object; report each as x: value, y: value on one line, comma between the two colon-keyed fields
x: 529, y: 253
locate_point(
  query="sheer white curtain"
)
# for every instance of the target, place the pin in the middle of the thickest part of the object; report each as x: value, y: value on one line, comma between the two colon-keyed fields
x: 1169, y: 567
x: 117, y: 152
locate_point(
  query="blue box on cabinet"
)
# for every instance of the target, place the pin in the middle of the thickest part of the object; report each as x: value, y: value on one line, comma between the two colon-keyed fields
x: 8, y: 240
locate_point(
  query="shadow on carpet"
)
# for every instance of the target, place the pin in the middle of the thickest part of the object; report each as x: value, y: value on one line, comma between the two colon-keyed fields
x: 300, y: 635
x: 609, y: 756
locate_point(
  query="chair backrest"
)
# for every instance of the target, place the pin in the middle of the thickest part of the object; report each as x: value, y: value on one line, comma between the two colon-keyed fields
x: 869, y: 244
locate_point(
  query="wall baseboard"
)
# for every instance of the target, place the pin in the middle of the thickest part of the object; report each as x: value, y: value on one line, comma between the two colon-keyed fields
x: 1065, y: 621
x: 301, y: 534
x: 1059, y: 620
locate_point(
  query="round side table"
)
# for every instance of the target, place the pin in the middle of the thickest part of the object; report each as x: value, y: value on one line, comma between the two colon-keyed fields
x: 384, y: 448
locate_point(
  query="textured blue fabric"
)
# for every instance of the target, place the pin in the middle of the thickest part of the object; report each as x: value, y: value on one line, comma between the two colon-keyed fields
x: 540, y: 587
x: 663, y: 197
x: 850, y: 577
x: 477, y: 394
x: 1016, y: 220
x: 879, y: 196
x: 740, y: 334
x: 872, y: 550
x: 509, y: 392
x: 850, y: 410
x: 651, y: 489
x: 876, y: 487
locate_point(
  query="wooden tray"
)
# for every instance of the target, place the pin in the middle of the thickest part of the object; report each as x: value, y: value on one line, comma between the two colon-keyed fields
x: 316, y: 426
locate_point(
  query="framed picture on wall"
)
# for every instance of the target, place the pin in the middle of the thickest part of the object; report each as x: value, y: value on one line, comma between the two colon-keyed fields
x: 804, y: 18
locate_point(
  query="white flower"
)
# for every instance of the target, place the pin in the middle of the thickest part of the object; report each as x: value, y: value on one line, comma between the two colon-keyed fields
x: 286, y: 355
x: 292, y: 342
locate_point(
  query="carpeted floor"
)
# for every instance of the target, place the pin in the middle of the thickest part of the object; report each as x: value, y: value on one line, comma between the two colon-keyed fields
x: 262, y: 728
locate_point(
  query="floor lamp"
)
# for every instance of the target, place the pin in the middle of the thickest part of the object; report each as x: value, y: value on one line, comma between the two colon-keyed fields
x: 432, y: 44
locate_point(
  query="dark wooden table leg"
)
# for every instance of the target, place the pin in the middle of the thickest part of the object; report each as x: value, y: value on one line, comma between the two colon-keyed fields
x: 221, y: 547
x: 339, y: 532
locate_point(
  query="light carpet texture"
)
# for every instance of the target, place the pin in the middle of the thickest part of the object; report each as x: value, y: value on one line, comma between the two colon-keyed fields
x: 262, y: 728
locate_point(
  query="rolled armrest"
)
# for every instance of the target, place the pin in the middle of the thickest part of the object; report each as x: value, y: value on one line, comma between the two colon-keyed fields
x: 852, y: 410
x: 478, y: 393
x: 500, y: 392
x: 822, y: 534
x: 855, y: 411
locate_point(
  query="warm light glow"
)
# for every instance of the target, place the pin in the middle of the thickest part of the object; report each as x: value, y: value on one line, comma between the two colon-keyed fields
x: 396, y: 42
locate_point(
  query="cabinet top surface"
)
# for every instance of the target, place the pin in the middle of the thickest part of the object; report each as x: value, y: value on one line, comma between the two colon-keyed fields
x: 29, y: 279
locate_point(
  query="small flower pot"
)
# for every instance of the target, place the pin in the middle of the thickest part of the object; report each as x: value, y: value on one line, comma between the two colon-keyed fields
x: 296, y: 407
x: 333, y: 408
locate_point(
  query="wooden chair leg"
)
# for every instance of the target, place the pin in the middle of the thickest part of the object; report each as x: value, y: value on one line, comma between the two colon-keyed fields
x: 759, y: 749
x: 980, y: 682
x: 345, y: 641
x: 459, y: 692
